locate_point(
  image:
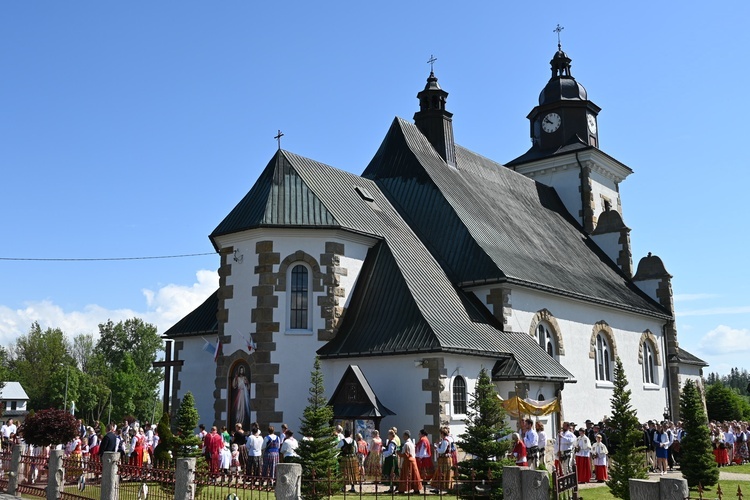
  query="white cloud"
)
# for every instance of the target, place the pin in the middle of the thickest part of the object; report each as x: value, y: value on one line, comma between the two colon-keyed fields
x: 163, y: 308
x: 712, y: 311
x: 726, y: 340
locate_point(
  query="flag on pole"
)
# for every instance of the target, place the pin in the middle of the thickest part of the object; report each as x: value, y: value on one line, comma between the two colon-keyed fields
x: 250, y: 343
x: 251, y: 346
x: 218, y: 348
x: 209, y: 347
x: 73, y: 408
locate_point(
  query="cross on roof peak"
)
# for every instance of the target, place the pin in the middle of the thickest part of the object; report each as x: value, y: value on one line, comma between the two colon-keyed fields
x: 558, y: 30
x: 431, y: 62
x: 278, y: 137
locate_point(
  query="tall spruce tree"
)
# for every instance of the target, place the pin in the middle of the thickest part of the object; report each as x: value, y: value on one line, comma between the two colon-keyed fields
x: 186, y: 443
x: 697, y: 461
x: 628, y: 459
x: 318, y: 453
x: 485, y: 423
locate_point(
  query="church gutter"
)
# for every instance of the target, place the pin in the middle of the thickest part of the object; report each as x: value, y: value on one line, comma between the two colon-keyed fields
x: 556, y: 291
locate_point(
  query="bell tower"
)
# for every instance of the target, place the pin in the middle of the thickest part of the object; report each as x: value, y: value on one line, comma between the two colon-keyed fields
x: 564, y: 113
x: 434, y: 121
x: 565, y: 155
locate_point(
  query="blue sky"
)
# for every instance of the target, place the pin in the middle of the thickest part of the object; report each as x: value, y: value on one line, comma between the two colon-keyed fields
x: 131, y: 129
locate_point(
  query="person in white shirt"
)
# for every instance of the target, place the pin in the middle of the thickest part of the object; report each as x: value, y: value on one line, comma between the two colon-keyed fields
x: 541, y: 443
x: 531, y: 440
x: 289, y: 446
x: 225, y: 460
x: 254, y: 454
x: 566, y: 440
x: 583, y: 462
x: 599, y: 455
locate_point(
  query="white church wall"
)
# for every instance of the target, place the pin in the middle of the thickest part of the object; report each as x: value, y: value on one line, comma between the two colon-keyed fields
x: 197, y: 376
x: 589, y: 398
x: 286, y: 243
x: 649, y: 287
x: 566, y: 180
x: 609, y: 243
x: 603, y: 188
x: 295, y: 349
x: 396, y: 381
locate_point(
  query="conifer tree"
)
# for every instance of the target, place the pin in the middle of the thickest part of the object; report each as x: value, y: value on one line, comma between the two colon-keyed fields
x: 186, y: 443
x: 166, y: 440
x: 628, y: 459
x: 697, y: 461
x: 318, y: 455
x: 485, y: 423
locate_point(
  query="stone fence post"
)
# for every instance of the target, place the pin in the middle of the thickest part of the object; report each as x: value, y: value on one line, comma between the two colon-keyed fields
x: 288, y: 481
x: 56, y: 475
x: 666, y: 488
x: 521, y: 483
x: 184, y: 479
x: 110, y: 476
x: 15, y: 468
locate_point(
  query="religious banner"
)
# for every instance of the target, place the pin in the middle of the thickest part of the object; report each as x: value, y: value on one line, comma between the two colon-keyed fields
x: 239, y: 396
x: 517, y: 407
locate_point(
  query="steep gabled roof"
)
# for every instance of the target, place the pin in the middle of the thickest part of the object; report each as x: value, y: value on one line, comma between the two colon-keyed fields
x: 444, y: 318
x: 403, y: 301
x: 200, y: 321
x: 278, y: 198
x: 486, y: 223
x: 685, y: 357
x: 362, y: 403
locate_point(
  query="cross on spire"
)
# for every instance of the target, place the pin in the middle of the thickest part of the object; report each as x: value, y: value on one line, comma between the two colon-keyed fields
x: 557, y: 30
x: 431, y: 61
x: 278, y: 137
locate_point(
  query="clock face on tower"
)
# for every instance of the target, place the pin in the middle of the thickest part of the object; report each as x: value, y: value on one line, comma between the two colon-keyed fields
x: 591, y: 122
x: 551, y: 122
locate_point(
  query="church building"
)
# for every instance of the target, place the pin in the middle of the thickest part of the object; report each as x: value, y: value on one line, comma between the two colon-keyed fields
x: 432, y: 264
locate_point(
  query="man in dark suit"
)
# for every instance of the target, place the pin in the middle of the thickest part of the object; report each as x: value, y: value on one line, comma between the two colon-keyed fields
x: 109, y: 441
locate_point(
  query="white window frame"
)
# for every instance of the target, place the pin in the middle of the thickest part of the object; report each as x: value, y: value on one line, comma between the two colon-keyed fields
x: 603, y: 366
x: 464, y: 395
x: 549, y: 339
x: 649, y: 364
x: 289, y: 297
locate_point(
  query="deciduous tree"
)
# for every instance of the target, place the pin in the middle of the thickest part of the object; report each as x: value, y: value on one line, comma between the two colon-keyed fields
x: 49, y: 427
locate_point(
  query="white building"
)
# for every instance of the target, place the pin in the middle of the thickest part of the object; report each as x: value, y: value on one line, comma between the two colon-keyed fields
x: 14, y: 402
x: 434, y: 263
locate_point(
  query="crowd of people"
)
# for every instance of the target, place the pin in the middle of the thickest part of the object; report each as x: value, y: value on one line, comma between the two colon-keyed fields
x: 401, y: 462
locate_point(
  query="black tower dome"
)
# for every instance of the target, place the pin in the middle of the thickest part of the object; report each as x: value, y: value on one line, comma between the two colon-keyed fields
x: 562, y: 85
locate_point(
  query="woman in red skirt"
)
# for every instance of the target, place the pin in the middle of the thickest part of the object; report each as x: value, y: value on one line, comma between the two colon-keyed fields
x: 599, y: 455
x: 583, y: 462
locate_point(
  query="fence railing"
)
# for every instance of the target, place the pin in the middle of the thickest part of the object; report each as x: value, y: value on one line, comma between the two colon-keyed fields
x: 79, y: 477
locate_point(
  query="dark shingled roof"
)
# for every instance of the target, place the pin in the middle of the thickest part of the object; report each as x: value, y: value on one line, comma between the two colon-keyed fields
x: 439, y: 317
x: 278, y: 198
x: 689, y: 359
x: 367, y: 406
x: 201, y: 321
x: 486, y: 223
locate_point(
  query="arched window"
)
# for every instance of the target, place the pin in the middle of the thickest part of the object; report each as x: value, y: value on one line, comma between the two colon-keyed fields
x: 603, y: 359
x: 299, y: 298
x: 459, y: 395
x: 649, y: 369
x: 546, y: 339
